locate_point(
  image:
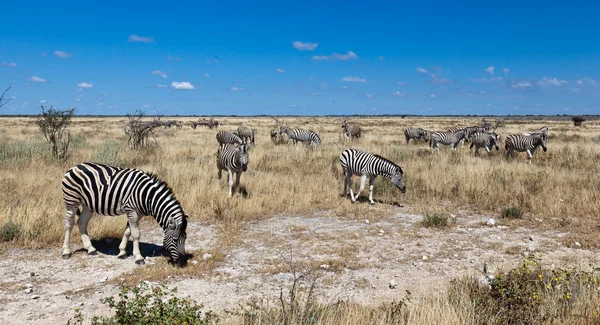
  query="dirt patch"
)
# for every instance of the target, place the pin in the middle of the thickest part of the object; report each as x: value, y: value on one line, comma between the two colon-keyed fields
x: 357, y: 258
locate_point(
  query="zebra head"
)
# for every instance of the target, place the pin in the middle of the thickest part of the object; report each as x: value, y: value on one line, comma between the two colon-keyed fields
x: 174, y: 241
x: 398, y: 180
x: 423, y: 135
x: 495, y: 140
x: 242, y: 156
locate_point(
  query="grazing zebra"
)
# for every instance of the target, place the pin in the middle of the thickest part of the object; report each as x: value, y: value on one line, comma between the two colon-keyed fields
x: 447, y: 138
x: 415, y: 133
x: 366, y: 165
x: 234, y: 160
x: 111, y: 191
x: 352, y: 130
x: 528, y: 143
x: 301, y: 135
x: 228, y: 137
x: 274, y: 133
x: 485, y: 140
x: 247, y: 134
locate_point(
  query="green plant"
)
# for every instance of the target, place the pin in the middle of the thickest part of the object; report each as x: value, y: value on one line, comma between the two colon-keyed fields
x: 512, y: 213
x: 10, y: 231
x: 155, y: 305
x: 108, y: 153
x: 437, y: 221
x: 52, y: 123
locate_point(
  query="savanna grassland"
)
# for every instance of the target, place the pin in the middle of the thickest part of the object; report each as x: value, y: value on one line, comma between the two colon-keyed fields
x: 559, y: 191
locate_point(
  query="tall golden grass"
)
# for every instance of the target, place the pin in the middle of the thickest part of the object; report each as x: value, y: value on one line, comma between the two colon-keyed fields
x: 561, y: 186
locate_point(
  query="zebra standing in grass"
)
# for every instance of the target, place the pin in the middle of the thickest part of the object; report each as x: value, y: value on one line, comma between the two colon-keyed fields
x: 485, y: 140
x: 234, y: 160
x: 528, y: 143
x: 415, y: 133
x: 301, y: 135
x: 352, y: 130
x: 366, y: 165
x: 111, y: 191
x: 247, y: 134
x: 274, y: 134
x: 228, y: 137
x: 447, y: 138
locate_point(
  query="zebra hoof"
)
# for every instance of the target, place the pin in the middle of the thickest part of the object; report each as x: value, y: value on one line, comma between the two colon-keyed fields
x: 140, y: 262
x: 92, y: 253
x: 122, y: 257
x: 371, y: 203
x: 66, y: 256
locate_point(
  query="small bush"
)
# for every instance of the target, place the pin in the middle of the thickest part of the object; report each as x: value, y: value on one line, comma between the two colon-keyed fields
x: 10, y: 231
x: 143, y: 305
x: 512, y: 213
x: 108, y: 153
x: 437, y: 221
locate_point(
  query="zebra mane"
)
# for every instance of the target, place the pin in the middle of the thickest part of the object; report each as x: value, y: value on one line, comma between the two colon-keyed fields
x: 157, y: 181
x: 390, y: 162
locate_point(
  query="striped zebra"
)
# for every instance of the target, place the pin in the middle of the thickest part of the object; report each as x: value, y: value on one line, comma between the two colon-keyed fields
x: 352, y: 130
x: 415, y: 133
x: 301, y: 135
x: 247, y: 134
x: 228, y: 137
x: 485, y: 140
x: 234, y: 160
x: 526, y: 143
x: 366, y: 165
x: 111, y: 191
x: 447, y: 138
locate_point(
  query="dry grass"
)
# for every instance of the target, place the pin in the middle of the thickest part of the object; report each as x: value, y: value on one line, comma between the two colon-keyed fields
x: 561, y: 183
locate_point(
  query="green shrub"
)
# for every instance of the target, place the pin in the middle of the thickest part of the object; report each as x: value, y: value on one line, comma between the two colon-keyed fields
x: 108, y: 153
x: 10, y: 231
x: 512, y: 213
x: 437, y: 221
x: 143, y: 305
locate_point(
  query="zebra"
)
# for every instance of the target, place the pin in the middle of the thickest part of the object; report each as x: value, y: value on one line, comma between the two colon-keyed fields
x: 234, y: 160
x: 528, y: 143
x: 357, y: 162
x: 247, y: 134
x: 352, y: 131
x: 274, y: 134
x: 301, y: 135
x: 228, y: 137
x: 447, y: 138
x: 485, y: 140
x: 415, y: 133
x: 110, y: 191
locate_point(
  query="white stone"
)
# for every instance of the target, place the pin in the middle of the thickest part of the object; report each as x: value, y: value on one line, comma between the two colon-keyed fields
x: 393, y: 284
x: 424, y: 257
x: 324, y: 266
x: 29, y: 285
x: 35, y: 297
x: 195, y: 262
x: 491, y: 222
x: 367, y: 221
x: 28, y: 290
x: 206, y: 256
x: 577, y: 244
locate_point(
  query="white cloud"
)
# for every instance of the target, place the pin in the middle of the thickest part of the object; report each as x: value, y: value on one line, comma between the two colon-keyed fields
x: 37, y: 79
x: 280, y: 70
x: 345, y: 87
x: 353, y: 79
x: 421, y: 70
x: 368, y: 95
x: 206, y: 75
x: 42, y: 101
x: 587, y: 81
x: 161, y: 86
x: 184, y: 85
x: 173, y: 58
x: 61, y: 54
x: 398, y: 94
x: 236, y: 89
x: 432, y: 96
x: 506, y: 70
x: 336, y: 56
x: 575, y: 90
x: 77, y: 99
x: 486, y: 80
x: 400, y: 83
x: 439, y: 80
x: 523, y: 84
x: 9, y: 64
x: 85, y: 85
x: 381, y: 58
x: 490, y: 70
x: 141, y: 39
x: 554, y: 82
x: 302, y: 46
x: 145, y: 106
x: 160, y: 73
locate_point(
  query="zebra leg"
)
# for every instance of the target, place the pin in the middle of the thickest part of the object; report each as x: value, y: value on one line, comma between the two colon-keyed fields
x: 82, y: 223
x: 123, y: 245
x: 69, y: 223
x: 371, y: 183
x: 230, y: 178
x: 363, y: 181
x: 529, y: 156
x: 134, y: 227
x: 347, y: 182
x: 488, y: 151
x: 237, y: 180
x: 219, y: 174
x: 476, y: 150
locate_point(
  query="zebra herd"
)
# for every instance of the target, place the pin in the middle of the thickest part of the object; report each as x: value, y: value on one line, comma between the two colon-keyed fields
x: 480, y: 137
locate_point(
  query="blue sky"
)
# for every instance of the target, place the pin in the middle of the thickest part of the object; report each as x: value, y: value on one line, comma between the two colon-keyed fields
x: 306, y: 58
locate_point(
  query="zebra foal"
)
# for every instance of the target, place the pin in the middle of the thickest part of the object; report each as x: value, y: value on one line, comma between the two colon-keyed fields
x: 485, y: 140
x: 301, y: 135
x: 228, y: 137
x: 526, y: 143
x: 366, y: 165
x: 415, y: 133
x: 111, y: 191
x: 234, y: 160
x: 446, y: 138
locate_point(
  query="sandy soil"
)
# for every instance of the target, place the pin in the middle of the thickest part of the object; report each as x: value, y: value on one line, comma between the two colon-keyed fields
x: 357, y: 260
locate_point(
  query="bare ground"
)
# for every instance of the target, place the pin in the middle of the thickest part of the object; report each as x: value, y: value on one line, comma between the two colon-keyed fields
x: 358, y: 260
